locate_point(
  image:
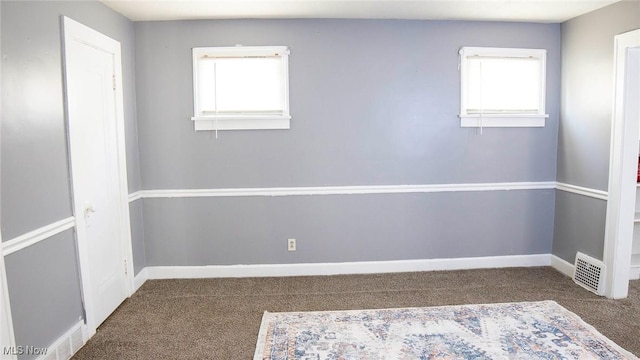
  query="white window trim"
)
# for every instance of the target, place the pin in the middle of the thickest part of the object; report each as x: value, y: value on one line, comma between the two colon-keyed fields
x: 241, y: 122
x: 502, y: 120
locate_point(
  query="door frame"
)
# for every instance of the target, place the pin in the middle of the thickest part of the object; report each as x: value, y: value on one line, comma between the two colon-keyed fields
x: 623, y: 163
x: 75, y: 31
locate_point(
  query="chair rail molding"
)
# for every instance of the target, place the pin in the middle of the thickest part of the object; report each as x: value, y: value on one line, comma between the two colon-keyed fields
x: 37, y: 235
x: 341, y: 190
x: 580, y: 190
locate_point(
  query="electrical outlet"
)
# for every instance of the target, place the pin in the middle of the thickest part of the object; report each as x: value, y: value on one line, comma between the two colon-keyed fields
x: 291, y: 244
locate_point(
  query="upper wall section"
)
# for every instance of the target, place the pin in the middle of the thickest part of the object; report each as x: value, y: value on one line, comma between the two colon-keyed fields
x: 35, y: 169
x: 587, y: 93
x: 372, y: 102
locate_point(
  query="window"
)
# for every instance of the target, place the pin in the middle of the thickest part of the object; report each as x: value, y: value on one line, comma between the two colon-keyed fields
x: 502, y: 87
x: 242, y: 87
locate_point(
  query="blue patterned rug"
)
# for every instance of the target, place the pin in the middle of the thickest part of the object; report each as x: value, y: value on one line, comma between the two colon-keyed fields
x: 528, y: 330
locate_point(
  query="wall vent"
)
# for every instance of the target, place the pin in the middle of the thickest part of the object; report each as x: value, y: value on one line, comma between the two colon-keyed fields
x: 590, y: 273
x: 66, y: 345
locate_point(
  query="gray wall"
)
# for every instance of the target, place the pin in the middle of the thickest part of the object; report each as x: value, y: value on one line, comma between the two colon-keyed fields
x: 585, y: 125
x: 44, y: 290
x: 253, y: 230
x: 373, y: 102
x: 35, y: 183
x: 587, y: 92
x: 137, y: 236
x: 35, y: 171
x: 579, y: 226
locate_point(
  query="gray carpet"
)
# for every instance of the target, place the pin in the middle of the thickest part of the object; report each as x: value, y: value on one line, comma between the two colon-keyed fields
x: 220, y: 318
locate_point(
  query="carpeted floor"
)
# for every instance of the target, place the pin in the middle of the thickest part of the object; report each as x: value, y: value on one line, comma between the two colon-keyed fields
x: 220, y: 318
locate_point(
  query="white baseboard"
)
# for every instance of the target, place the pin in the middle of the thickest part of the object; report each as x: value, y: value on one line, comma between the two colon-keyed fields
x: 67, y: 344
x: 634, y: 274
x: 364, y: 267
x: 563, y: 266
x: 140, y: 279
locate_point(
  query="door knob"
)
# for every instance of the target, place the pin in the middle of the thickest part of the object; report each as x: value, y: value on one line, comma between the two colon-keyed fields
x: 88, y: 208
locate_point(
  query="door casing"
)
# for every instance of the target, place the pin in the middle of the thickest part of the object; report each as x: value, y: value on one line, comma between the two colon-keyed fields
x: 622, y: 170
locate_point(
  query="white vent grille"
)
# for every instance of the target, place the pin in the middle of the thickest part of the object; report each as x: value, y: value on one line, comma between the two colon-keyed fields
x: 76, y: 340
x: 64, y: 350
x: 590, y: 273
x: 67, y: 345
x: 51, y: 355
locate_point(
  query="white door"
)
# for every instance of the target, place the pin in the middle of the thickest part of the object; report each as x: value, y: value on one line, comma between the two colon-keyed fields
x: 623, y: 163
x: 92, y: 70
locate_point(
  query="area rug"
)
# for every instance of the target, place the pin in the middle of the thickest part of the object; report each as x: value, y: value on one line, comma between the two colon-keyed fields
x: 528, y: 330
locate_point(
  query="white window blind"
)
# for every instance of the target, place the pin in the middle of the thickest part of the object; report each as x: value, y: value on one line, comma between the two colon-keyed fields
x: 243, y: 85
x: 241, y: 88
x: 501, y: 85
x: 505, y: 87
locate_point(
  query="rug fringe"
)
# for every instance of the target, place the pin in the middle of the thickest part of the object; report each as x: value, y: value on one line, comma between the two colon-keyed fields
x: 262, y: 337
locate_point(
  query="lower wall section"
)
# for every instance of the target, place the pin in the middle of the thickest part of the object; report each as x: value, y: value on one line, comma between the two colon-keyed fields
x: 44, y: 285
x: 579, y: 226
x: 347, y: 228
x: 137, y: 235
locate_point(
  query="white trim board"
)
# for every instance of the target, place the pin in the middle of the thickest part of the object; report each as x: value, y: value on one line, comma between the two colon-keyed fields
x: 492, y: 121
x: 342, y: 190
x: 140, y: 279
x: 563, y: 266
x: 623, y: 157
x: 37, y: 235
x: 170, y: 272
x: 363, y: 267
x: 580, y: 190
x: 366, y: 189
x: 135, y: 196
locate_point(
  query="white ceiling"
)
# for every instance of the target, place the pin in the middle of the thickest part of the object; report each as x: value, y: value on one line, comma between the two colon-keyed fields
x: 546, y: 11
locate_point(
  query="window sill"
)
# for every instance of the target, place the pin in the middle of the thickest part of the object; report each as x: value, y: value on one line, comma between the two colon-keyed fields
x: 499, y: 120
x: 241, y: 122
